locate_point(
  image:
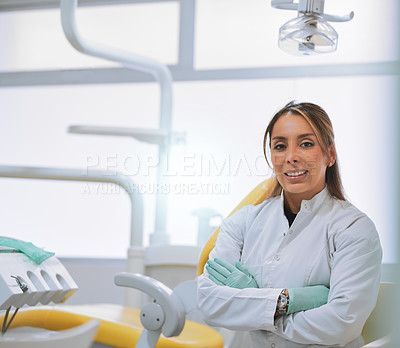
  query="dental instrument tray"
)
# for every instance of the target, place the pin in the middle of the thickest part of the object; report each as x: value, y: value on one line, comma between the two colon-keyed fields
x: 24, y: 282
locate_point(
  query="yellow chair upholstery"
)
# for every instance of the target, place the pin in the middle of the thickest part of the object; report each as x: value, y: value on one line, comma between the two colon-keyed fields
x: 119, y: 326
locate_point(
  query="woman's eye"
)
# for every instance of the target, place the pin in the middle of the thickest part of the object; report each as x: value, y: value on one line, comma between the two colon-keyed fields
x: 307, y: 144
x: 279, y: 147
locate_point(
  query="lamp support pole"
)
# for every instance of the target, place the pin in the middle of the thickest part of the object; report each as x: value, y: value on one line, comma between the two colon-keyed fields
x: 310, y: 6
x: 136, y: 62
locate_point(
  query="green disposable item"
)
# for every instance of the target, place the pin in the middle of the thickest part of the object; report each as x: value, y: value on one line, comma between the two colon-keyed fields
x: 224, y: 273
x: 308, y: 297
x: 33, y: 252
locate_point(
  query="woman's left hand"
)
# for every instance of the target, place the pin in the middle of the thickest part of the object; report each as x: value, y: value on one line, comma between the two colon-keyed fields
x: 224, y: 273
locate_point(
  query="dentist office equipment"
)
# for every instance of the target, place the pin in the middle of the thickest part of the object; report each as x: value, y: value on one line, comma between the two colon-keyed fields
x: 24, y: 282
x: 170, y: 320
x: 159, y: 255
x: 309, y: 33
x: 30, y: 276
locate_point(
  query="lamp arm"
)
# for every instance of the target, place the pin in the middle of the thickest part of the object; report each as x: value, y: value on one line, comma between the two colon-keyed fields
x: 284, y: 5
x: 130, y: 60
x: 136, y: 62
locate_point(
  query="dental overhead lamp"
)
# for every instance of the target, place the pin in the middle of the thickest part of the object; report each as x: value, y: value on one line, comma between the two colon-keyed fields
x: 309, y: 33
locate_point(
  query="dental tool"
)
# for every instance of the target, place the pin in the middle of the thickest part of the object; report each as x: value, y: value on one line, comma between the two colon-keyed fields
x: 24, y: 282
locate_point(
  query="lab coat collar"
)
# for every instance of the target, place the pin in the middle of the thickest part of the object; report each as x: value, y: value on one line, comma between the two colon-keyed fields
x: 311, y: 204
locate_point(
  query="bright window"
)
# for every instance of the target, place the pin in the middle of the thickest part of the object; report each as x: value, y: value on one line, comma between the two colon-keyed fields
x: 34, y: 40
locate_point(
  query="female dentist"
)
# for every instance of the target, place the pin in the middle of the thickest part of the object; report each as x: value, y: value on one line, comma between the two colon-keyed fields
x: 301, y: 269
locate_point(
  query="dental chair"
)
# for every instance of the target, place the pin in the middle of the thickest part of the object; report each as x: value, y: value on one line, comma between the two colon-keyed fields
x: 127, y: 327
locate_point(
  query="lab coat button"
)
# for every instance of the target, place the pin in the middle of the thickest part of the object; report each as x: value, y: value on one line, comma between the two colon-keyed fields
x: 272, y: 345
x: 277, y: 258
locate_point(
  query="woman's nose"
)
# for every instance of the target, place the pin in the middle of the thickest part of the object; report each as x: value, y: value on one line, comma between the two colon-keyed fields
x: 292, y: 155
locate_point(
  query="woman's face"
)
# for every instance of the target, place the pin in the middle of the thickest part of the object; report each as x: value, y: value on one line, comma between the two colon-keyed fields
x: 297, y: 158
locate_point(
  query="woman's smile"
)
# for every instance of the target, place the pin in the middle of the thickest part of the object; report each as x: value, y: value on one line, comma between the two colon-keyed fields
x: 296, y: 174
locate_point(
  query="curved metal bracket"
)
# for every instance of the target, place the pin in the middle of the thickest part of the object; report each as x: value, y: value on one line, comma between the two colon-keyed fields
x: 130, y: 60
x: 68, y: 174
x: 164, y: 296
x: 136, y: 62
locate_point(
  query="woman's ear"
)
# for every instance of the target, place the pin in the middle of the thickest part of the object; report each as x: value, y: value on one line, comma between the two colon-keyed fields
x: 332, y: 155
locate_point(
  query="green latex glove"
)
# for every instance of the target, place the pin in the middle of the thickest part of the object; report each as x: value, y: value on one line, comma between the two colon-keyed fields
x: 308, y: 297
x: 33, y: 252
x: 224, y: 273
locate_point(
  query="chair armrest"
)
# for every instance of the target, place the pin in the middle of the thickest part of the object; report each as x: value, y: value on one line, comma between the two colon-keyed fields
x: 163, y: 295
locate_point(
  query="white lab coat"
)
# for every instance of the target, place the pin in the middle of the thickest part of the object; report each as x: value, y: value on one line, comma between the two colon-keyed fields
x: 330, y: 243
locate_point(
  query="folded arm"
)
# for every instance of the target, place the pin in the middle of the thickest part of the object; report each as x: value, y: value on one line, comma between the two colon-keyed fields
x: 354, y: 283
x: 354, y: 286
x: 235, y: 309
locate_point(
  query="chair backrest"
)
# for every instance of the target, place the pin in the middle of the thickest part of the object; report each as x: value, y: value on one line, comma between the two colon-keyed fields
x: 255, y: 197
x: 380, y: 322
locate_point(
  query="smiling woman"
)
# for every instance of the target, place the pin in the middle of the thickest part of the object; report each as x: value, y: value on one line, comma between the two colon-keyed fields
x: 303, y: 260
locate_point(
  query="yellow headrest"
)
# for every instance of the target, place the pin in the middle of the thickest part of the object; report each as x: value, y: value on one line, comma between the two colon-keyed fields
x: 255, y: 197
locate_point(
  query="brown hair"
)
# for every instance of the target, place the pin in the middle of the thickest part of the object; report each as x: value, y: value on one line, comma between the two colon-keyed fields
x: 321, y: 125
